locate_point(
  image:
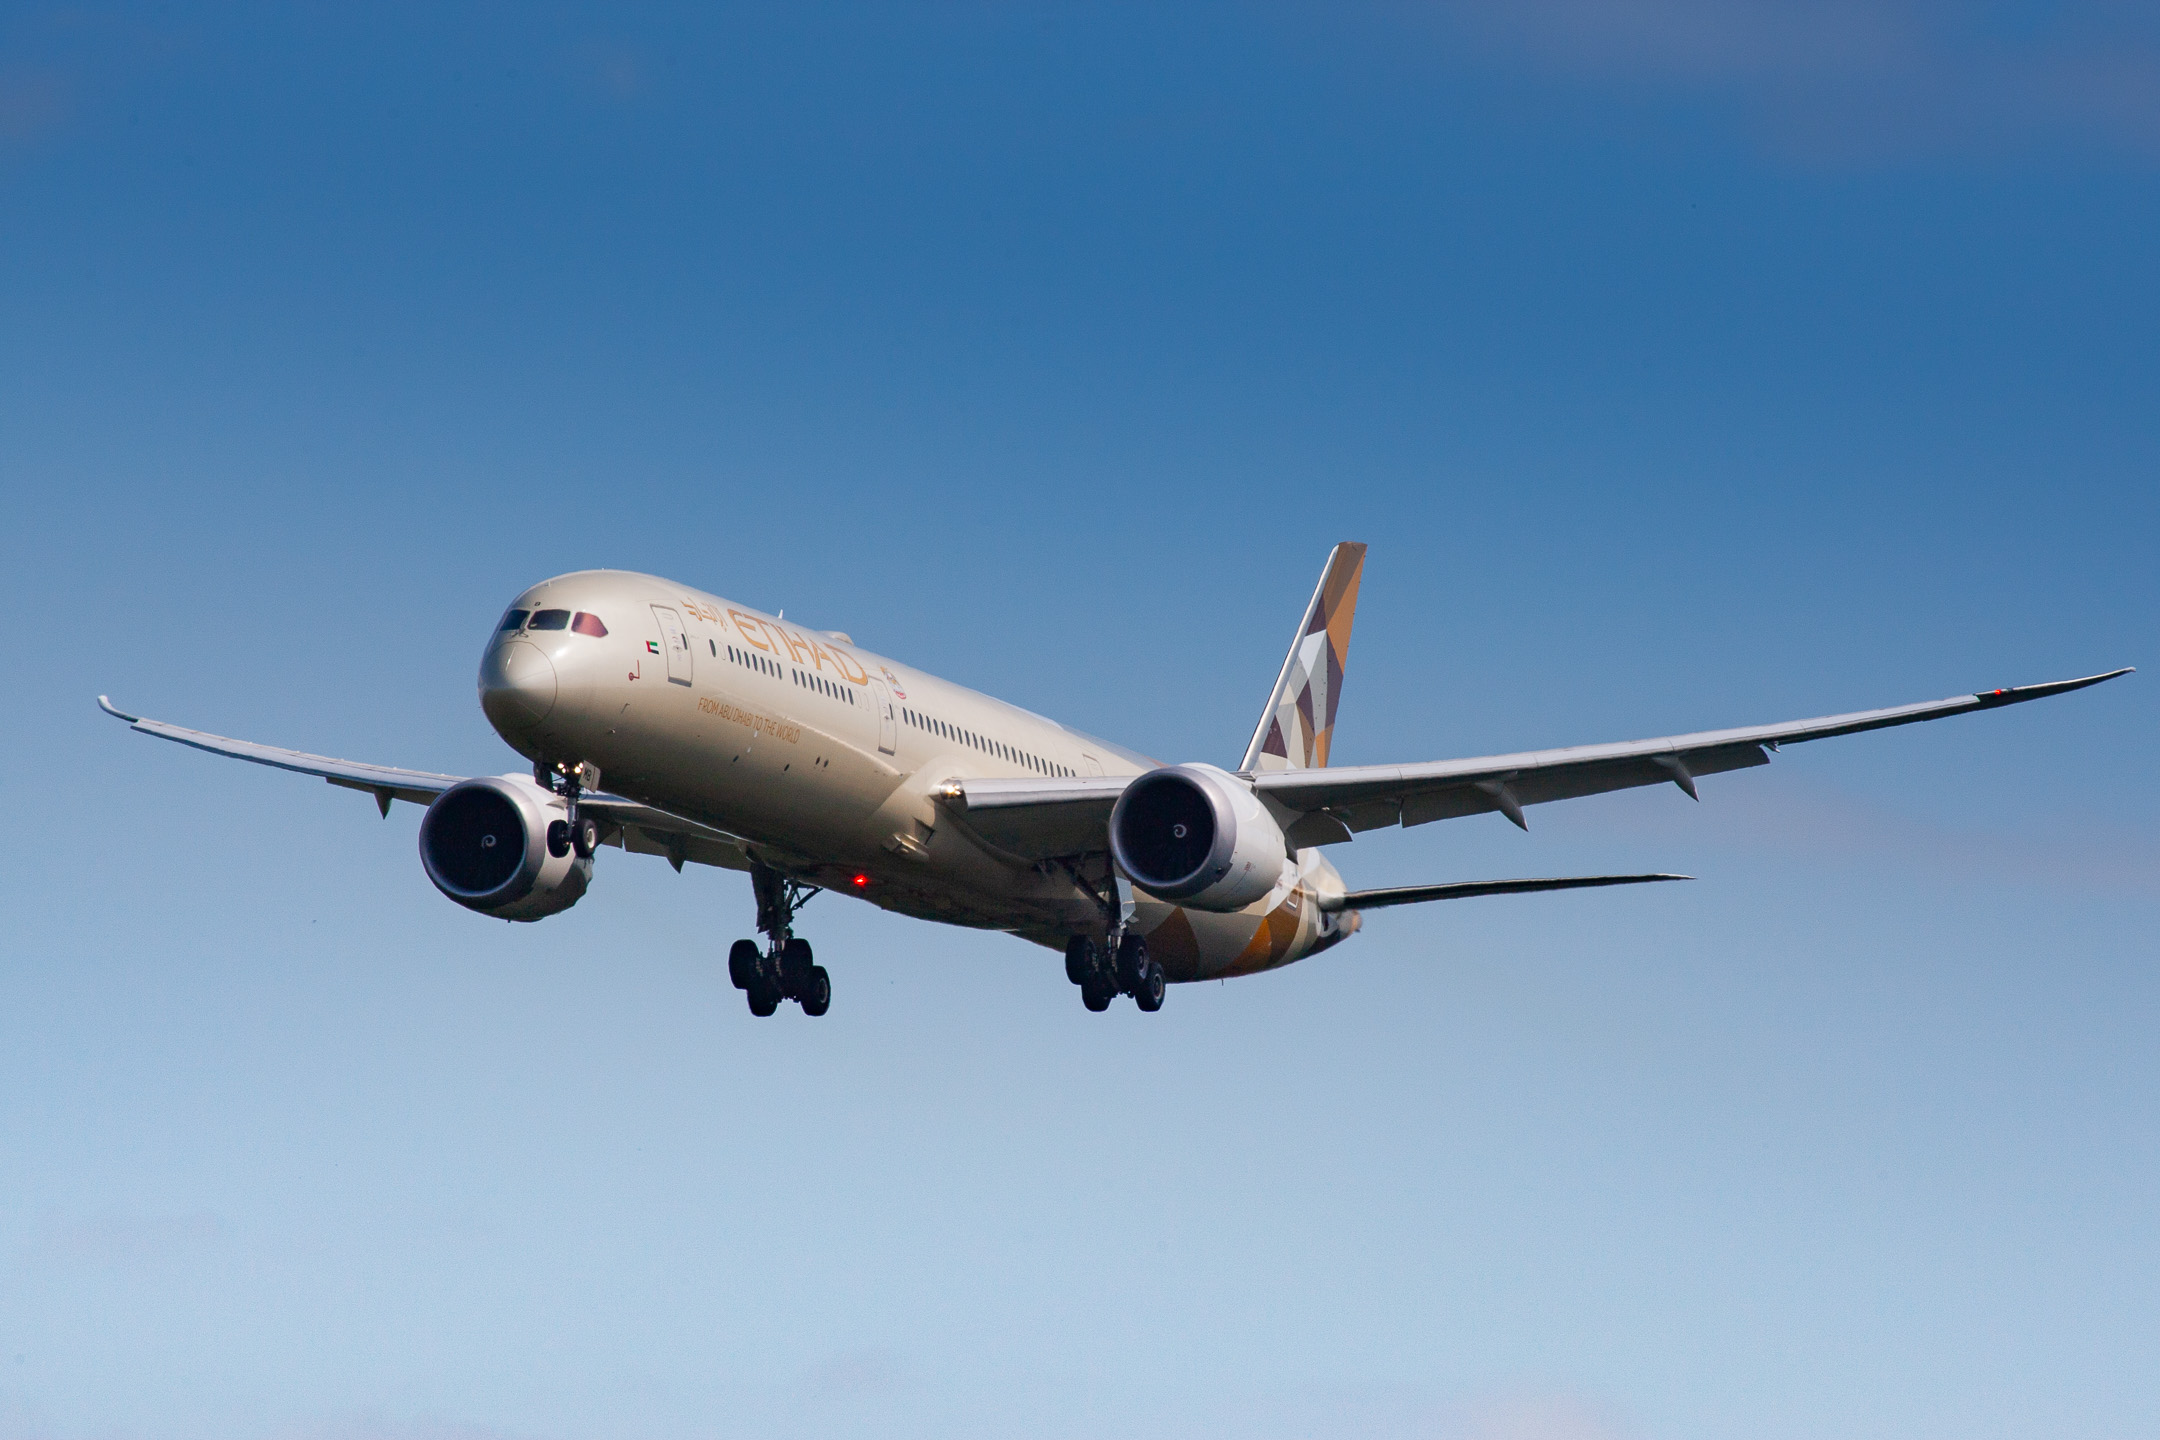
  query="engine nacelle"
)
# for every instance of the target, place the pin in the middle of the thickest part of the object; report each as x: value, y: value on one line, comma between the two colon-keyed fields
x: 1193, y: 834
x: 484, y: 843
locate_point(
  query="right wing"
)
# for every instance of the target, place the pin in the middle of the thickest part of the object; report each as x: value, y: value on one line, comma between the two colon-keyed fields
x: 640, y: 829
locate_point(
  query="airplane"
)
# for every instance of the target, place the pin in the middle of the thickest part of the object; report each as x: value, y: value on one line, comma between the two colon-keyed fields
x: 733, y: 738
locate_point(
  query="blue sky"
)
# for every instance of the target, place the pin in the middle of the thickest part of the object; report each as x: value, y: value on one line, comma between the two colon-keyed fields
x: 1684, y: 365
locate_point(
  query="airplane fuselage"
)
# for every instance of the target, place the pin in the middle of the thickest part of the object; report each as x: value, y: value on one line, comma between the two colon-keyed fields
x: 828, y: 759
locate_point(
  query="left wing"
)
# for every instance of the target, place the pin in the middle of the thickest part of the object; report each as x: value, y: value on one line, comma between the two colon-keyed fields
x: 641, y: 828
x: 1335, y: 803
x: 1469, y: 889
x: 1042, y: 819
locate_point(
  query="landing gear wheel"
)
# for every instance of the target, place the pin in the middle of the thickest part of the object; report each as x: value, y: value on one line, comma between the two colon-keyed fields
x: 1132, y: 963
x: 1079, y: 959
x: 817, y: 994
x: 795, y: 967
x: 1096, y: 994
x: 743, y: 959
x: 1148, y: 994
x: 585, y: 837
x: 558, y: 838
x: 764, y: 999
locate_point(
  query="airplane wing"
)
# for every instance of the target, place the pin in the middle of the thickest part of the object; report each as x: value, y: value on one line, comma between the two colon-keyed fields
x: 1335, y: 803
x: 1041, y: 819
x: 638, y: 828
x: 1467, y: 889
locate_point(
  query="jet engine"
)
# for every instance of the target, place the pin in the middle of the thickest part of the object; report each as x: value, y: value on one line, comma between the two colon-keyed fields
x: 491, y: 845
x: 1194, y: 834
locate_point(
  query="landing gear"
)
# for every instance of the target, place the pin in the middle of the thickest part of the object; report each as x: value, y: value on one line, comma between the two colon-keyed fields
x: 783, y: 969
x: 1126, y: 969
x: 581, y: 835
x: 572, y: 832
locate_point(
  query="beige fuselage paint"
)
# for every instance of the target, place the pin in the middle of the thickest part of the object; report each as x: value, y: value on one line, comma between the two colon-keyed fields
x: 771, y: 731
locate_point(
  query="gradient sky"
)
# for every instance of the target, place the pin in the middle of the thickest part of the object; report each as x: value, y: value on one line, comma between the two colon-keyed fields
x: 1684, y: 364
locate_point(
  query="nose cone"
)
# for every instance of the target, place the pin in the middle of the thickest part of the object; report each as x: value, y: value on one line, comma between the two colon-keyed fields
x: 517, y: 685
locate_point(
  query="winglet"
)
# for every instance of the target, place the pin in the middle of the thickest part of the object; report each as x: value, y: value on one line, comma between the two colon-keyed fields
x: 115, y: 711
x: 1989, y: 699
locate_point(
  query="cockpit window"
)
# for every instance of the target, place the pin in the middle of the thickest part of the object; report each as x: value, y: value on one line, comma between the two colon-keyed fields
x: 588, y: 624
x: 551, y: 620
x: 512, y: 619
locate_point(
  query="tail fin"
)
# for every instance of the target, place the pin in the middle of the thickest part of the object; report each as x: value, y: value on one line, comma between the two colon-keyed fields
x: 1297, y: 729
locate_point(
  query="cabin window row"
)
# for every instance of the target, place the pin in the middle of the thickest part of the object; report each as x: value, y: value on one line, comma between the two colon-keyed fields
x: 752, y: 660
x: 824, y: 687
x: 583, y: 622
x: 960, y: 735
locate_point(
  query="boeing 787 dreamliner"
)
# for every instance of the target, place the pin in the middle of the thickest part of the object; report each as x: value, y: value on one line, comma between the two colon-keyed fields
x: 667, y: 721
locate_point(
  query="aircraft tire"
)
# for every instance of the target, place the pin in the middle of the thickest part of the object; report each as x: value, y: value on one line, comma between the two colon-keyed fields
x: 1079, y: 959
x: 743, y: 960
x: 1096, y: 994
x: 764, y: 1000
x: 585, y: 837
x: 558, y: 839
x: 1132, y: 962
x: 817, y: 994
x: 1148, y: 994
x: 796, y: 964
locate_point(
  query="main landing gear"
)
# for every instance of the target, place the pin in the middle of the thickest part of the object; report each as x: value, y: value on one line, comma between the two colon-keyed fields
x: 1123, y: 967
x: 782, y: 969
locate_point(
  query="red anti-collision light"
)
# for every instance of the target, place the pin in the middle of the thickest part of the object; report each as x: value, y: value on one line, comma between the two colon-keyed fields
x: 862, y: 882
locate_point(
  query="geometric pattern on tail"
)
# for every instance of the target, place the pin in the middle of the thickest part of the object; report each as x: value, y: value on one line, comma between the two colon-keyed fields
x: 1297, y: 729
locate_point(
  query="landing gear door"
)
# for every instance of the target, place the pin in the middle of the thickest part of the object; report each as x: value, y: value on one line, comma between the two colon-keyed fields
x: 888, y: 722
x: 676, y: 641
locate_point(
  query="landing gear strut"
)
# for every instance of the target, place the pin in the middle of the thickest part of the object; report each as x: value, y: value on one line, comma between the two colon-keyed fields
x: 782, y: 969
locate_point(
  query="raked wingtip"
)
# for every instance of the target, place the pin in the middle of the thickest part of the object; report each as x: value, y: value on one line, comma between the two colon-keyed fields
x: 105, y: 704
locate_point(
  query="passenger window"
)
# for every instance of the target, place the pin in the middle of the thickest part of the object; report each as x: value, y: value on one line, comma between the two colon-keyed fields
x: 586, y: 624
x: 551, y: 620
x: 513, y: 619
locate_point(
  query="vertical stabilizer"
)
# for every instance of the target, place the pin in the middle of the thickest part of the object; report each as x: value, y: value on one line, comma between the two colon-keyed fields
x: 1297, y: 729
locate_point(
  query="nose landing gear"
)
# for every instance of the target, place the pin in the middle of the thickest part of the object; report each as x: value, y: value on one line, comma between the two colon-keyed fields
x: 573, y: 831
x: 782, y: 969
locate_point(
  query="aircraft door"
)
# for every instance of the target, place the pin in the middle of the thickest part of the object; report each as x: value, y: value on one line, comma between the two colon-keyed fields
x: 888, y: 721
x: 676, y: 641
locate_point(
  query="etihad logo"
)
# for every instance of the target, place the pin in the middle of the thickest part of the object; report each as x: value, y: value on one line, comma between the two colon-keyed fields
x: 775, y: 639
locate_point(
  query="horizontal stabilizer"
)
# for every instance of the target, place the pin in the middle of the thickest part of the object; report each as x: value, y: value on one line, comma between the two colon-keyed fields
x: 1419, y: 894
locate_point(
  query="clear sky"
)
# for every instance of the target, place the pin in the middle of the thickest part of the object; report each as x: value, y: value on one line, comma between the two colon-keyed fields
x: 1685, y: 364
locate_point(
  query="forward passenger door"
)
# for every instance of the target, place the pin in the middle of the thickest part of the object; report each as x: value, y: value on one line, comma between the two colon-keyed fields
x: 676, y: 641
